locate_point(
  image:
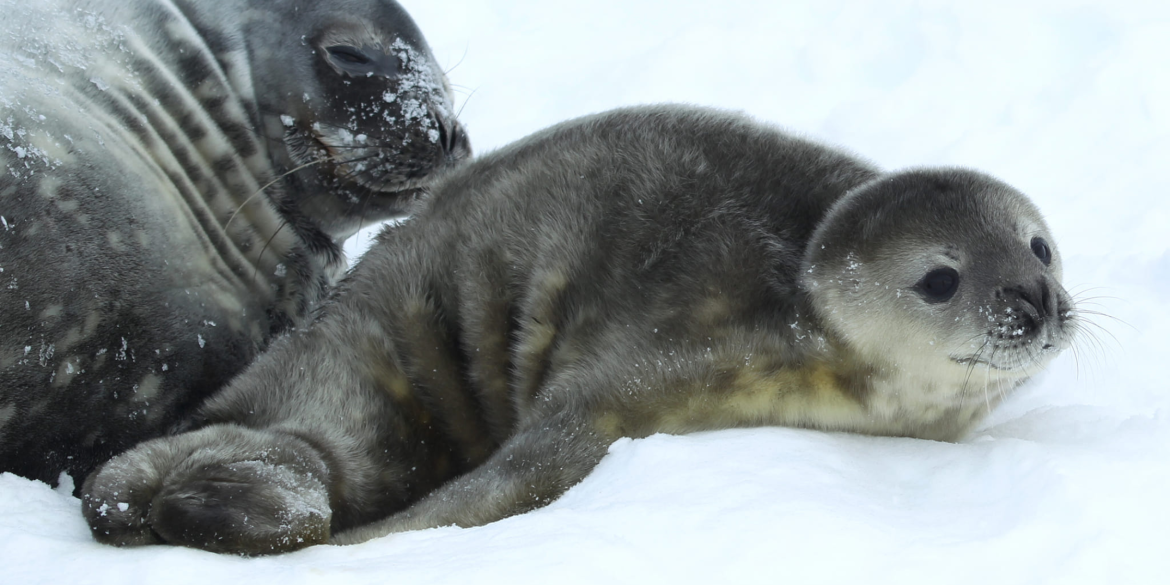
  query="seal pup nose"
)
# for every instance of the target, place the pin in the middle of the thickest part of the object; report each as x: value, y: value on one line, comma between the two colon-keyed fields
x: 1037, y: 299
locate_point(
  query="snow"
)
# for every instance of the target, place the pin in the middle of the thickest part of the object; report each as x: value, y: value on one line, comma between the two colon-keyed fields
x: 1066, y: 483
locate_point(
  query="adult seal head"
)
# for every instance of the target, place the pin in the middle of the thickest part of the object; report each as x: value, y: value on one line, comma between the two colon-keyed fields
x: 176, y: 177
x: 656, y: 269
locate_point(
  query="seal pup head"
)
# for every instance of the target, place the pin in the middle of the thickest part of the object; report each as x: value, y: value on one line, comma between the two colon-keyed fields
x: 351, y: 89
x: 950, y: 275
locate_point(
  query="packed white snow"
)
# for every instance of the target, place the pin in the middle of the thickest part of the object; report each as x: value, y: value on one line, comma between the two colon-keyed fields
x: 1066, y: 483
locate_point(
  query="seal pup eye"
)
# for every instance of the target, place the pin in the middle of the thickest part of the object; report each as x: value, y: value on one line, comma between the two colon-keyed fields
x: 348, y: 55
x: 939, y: 285
x: 1041, y: 250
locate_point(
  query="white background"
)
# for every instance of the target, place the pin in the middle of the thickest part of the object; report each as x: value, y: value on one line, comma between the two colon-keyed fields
x: 1067, y: 482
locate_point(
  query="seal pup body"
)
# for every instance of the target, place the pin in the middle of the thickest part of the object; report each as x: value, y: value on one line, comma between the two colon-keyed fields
x: 176, y: 178
x: 656, y: 269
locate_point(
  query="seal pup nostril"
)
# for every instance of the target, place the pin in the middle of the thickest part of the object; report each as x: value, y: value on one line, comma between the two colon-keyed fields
x: 1030, y: 300
x: 1049, y: 299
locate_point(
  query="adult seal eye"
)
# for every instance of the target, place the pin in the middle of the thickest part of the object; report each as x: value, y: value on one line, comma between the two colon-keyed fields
x: 347, y: 55
x: 1041, y: 250
x: 939, y: 285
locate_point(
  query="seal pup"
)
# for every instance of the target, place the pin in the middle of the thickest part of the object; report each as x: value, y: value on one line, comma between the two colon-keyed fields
x: 650, y: 270
x: 176, y: 177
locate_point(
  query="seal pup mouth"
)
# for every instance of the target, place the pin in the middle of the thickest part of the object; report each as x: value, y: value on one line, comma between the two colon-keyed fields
x: 1033, y: 329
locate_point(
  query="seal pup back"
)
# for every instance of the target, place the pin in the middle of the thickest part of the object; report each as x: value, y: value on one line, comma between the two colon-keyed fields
x: 655, y: 269
x: 176, y: 178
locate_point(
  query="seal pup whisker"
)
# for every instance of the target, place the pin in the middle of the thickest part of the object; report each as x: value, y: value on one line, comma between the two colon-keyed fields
x: 971, y: 368
x: 1088, y: 331
x: 987, y: 369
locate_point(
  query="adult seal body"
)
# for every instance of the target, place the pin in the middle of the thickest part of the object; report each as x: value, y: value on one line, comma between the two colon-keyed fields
x: 175, y: 180
x: 656, y: 269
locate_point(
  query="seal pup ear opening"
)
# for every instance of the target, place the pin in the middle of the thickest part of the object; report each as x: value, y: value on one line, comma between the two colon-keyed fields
x: 937, y: 271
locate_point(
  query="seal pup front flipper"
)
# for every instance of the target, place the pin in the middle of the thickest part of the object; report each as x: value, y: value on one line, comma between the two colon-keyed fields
x: 224, y: 488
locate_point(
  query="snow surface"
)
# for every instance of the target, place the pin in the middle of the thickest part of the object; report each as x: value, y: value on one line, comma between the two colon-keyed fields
x: 1066, y: 483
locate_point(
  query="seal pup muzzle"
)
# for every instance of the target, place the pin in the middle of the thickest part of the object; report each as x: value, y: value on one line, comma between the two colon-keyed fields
x: 654, y: 269
x: 176, y: 178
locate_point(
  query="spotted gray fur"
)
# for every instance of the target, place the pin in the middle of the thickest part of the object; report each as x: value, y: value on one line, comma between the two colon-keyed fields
x: 655, y: 269
x: 176, y: 178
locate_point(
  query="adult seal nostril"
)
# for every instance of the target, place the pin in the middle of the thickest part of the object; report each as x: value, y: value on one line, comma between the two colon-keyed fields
x: 453, y: 139
x: 176, y: 178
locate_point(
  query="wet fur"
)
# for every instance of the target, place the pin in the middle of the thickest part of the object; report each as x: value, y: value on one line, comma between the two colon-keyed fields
x: 655, y: 269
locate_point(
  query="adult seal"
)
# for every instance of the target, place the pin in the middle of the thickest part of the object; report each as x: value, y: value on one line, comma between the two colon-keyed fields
x: 656, y: 269
x: 176, y: 177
